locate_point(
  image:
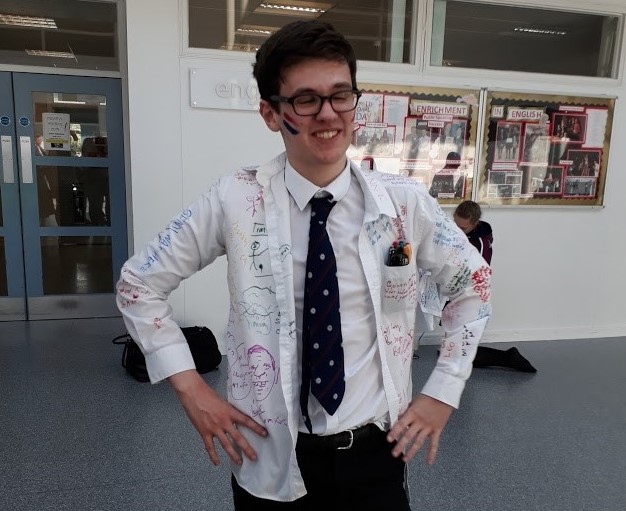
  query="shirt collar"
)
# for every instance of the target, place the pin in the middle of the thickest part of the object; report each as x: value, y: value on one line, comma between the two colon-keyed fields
x: 302, y: 190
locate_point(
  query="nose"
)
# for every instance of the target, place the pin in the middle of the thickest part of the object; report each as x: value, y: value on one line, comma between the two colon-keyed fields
x: 326, y: 110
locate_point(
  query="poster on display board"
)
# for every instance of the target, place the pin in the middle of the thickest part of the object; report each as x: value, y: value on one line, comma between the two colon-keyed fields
x: 425, y: 133
x: 545, y: 150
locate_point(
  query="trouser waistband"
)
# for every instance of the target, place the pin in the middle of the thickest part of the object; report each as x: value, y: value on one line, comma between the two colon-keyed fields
x: 339, y: 441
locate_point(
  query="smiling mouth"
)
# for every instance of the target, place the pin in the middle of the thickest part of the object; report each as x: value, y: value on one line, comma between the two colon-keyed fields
x: 326, y: 135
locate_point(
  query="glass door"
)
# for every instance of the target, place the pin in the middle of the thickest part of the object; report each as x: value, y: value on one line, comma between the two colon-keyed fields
x: 12, y: 286
x: 68, y: 147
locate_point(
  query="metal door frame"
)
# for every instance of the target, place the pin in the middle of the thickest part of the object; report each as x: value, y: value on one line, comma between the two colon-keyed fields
x: 74, y: 305
x: 12, y: 306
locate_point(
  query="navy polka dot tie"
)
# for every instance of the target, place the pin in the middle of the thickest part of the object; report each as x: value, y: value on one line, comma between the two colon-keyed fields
x: 322, y: 351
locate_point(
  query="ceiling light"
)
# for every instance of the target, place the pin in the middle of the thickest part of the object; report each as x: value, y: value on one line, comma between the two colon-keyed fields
x: 239, y: 46
x: 258, y: 31
x: 27, y: 21
x: 540, y: 31
x: 292, y: 8
x: 56, y: 54
x: 69, y: 102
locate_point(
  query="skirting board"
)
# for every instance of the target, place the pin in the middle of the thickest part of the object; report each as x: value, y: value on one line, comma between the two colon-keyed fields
x: 538, y: 334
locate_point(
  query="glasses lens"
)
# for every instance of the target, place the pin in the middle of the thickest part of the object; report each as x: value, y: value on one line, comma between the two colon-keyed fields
x: 343, y: 101
x: 307, y: 104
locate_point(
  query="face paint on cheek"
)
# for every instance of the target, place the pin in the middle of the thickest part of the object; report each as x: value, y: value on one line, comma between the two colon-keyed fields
x: 290, y: 125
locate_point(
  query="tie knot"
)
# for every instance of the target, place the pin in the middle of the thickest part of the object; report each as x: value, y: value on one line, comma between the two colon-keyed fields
x: 320, y: 207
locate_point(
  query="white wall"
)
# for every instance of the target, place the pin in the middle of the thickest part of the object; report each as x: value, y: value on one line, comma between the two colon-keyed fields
x: 558, y: 272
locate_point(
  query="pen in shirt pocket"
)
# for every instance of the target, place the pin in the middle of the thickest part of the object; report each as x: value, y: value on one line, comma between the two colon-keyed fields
x: 399, y: 254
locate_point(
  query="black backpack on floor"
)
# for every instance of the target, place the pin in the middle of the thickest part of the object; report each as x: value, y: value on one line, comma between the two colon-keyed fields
x: 202, y: 343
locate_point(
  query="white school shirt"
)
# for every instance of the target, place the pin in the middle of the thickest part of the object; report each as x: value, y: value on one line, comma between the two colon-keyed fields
x: 364, y: 398
x: 246, y: 216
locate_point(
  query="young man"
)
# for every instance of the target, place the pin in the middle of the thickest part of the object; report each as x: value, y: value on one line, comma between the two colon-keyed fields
x: 338, y: 425
x: 467, y: 218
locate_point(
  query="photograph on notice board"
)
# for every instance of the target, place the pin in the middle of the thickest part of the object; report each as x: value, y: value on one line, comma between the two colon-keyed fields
x: 504, y: 183
x: 556, y: 147
x: 546, y: 180
x: 425, y: 133
x: 417, y: 140
x: 580, y: 187
x: 583, y: 162
x: 569, y: 126
x: 507, y: 141
x: 376, y: 140
x: 449, y: 181
x: 536, y: 144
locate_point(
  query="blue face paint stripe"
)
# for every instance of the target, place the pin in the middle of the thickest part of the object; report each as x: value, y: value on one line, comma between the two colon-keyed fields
x: 290, y: 128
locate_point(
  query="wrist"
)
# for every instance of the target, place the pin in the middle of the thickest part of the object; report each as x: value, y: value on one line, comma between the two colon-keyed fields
x: 185, y: 381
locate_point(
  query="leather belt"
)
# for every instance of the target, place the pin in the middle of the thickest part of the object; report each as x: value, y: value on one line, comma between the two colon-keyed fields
x: 339, y: 441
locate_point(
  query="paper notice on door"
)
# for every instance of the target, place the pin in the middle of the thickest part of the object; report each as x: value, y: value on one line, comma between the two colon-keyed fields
x: 26, y: 160
x: 56, y: 131
x: 7, y: 159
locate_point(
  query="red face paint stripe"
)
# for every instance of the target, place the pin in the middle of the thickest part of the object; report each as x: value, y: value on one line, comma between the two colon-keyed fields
x: 291, y: 120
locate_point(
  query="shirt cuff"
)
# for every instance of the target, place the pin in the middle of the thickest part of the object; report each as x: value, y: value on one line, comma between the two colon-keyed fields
x: 169, y: 360
x: 444, y: 388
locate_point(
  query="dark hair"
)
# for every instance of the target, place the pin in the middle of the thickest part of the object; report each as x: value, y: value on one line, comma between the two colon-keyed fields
x: 453, y: 157
x: 469, y: 209
x: 294, y: 43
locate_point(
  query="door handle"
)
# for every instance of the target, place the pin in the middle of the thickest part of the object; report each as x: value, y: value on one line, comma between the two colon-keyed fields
x: 26, y: 160
x: 6, y: 146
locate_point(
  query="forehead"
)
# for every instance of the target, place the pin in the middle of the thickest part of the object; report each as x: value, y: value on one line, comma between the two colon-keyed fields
x: 460, y: 221
x: 315, y: 75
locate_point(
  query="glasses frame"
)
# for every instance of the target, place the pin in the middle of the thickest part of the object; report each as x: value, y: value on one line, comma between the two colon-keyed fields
x: 291, y: 100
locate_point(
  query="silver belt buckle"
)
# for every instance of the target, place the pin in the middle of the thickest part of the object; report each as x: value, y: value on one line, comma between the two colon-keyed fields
x: 349, y: 446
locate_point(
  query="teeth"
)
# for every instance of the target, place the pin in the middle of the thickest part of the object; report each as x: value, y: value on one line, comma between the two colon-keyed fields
x: 326, y: 134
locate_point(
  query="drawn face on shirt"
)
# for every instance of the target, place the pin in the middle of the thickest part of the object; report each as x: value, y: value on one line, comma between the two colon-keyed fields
x: 316, y: 145
x: 262, y: 371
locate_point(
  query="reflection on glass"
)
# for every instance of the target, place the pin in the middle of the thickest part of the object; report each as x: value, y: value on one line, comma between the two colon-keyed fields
x: 84, y: 119
x: 505, y: 37
x: 78, y: 34
x: 76, y: 264
x: 4, y: 289
x: 378, y: 31
x: 73, y: 196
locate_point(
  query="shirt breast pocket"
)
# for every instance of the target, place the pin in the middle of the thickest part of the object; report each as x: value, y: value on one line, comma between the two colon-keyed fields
x: 399, y: 288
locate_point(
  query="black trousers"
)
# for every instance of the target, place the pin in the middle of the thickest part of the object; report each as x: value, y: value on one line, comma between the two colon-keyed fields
x: 365, y: 477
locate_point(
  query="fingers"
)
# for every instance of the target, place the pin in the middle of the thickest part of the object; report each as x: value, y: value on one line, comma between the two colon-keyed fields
x: 213, y: 417
x: 432, y: 449
x: 233, y: 442
x: 410, y: 441
x: 228, y: 446
x: 423, y: 420
x: 231, y: 439
x: 210, y: 448
x: 246, y: 421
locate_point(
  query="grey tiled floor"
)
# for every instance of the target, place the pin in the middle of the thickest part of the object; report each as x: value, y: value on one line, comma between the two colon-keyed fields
x: 77, y: 434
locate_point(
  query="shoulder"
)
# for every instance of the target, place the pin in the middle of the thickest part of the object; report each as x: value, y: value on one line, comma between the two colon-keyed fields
x: 483, y: 229
x: 394, y: 183
x: 254, y: 175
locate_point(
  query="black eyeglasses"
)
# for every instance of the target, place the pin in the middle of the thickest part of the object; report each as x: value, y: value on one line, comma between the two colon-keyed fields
x: 311, y: 104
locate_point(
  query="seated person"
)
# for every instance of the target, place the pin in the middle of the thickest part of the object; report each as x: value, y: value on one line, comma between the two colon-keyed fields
x: 467, y: 218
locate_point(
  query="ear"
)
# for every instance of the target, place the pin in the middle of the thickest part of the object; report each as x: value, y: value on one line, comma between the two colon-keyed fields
x: 270, y: 116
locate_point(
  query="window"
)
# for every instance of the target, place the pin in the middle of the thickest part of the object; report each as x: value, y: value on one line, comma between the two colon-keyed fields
x: 64, y: 34
x: 489, y: 36
x: 379, y: 30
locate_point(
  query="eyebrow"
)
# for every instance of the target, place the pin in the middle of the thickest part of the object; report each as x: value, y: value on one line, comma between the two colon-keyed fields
x: 336, y: 87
